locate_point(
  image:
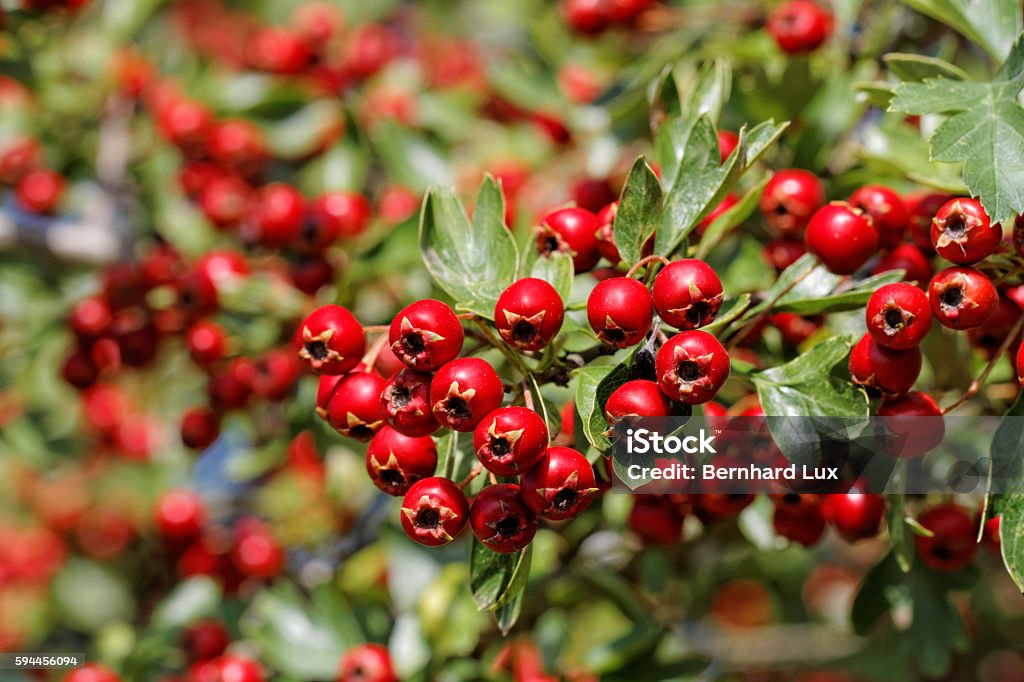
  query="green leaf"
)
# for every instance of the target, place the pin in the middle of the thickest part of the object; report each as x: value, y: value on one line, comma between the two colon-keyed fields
x: 822, y: 292
x: 902, y: 543
x: 992, y: 24
x: 300, y: 134
x: 455, y: 455
x: 410, y: 159
x: 556, y: 269
x: 721, y: 225
x: 871, y: 602
x: 496, y: 579
x: 1007, y: 455
x: 916, y: 67
x: 90, y: 595
x: 192, y: 599
x: 473, y: 262
x: 594, y: 385
x: 710, y: 93
x: 638, y: 212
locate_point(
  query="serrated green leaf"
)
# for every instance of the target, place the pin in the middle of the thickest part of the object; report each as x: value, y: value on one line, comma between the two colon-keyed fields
x: 473, y: 262
x: 638, y: 212
x: 1007, y: 455
x: 556, y: 269
x: 992, y: 24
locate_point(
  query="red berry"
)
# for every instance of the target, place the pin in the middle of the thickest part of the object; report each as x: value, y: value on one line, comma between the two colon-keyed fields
x: 892, y: 372
x: 331, y: 340
x: 200, y: 426
x: 275, y: 374
x: 434, y: 511
x: 90, y: 317
x: 991, y: 537
x: 256, y: 551
x: 636, y: 398
x: 921, y: 208
x: 277, y: 50
x: 727, y: 141
x: 842, y: 237
x: 790, y: 199
x: 509, y: 440
x: 804, y: 523
x: 854, y: 515
x: 989, y: 337
x: 426, y: 335
x: 888, y: 213
x: 206, y: 341
x: 224, y: 200
x: 237, y: 144
x: 589, y: 17
x: 1020, y: 364
x: 962, y: 232
x: 606, y: 233
x: 79, y: 370
x: 465, y: 391
x: 1018, y: 235
x: 954, y: 539
x: 185, y: 123
x: 222, y: 266
x: 205, y: 639
x: 687, y: 294
x: 655, y: 519
x: 344, y: 214
x: 898, y: 316
x: 730, y: 200
x: 528, y: 314
x: 366, y: 663
x: 405, y: 403
x: 592, y: 194
x: 395, y: 462
x: 354, y: 409
x: 180, y: 515
x: 560, y: 485
x: 906, y: 257
x: 573, y: 231
x: 234, y: 668
x: 92, y: 672
x: 278, y: 212
x: 231, y: 388
x: 620, y: 310
x: 781, y: 253
x: 311, y: 272
x: 799, y: 26
x: 962, y: 298
x: 40, y: 190
x: 691, y: 367
x: 912, y: 435
x: 501, y: 520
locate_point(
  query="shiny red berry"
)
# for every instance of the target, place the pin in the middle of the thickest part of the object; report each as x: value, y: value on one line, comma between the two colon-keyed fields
x: 39, y: 191
x: 842, y: 237
x: 962, y: 232
x: 277, y: 218
x: 687, y: 294
x: 90, y: 317
x: 573, y: 231
x: 962, y: 298
x: 906, y: 257
x: 205, y: 639
x: 346, y: 214
x: 274, y: 374
x: 366, y: 663
x: 331, y: 340
x: 589, y: 17
x: 1020, y: 364
x: 501, y: 520
x: 655, y: 519
x: 256, y: 552
x: 799, y: 26
x: 636, y: 398
x: 892, y: 372
x: 914, y: 422
x: 405, y: 403
x: 277, y: 50
x: 921, y: 209
x: 888, y: 213
x: 463, y: 392
x: 727, y: 141
x: 528, y: 314
x: 235, y: 668
x: 898, y: 316
x: 92, y: 672
x: 395, y: 462
x: 954, y: 539
x: 434, y: 511
x: 224, y: 200
x: 560, y: 485
x: 790, y: 199
x: 200, y: 426
x: 509, y: 440
x: 354, y: 409
x: 854, y: 515
x: 781, y: 253
x: 238, y: 144
x: 803, y: 523
x: 180, y: 515
x: 691, y: 367
x: 426, y: 335
x: 206, y: 342
x: 606, y: 233
x: 620, y: 310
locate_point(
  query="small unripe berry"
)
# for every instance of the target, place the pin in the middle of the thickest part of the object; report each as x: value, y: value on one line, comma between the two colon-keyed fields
x: 501, y: 520
x: 620, y: 310
x: 434, y: 511
x: 528, y: 314
x: 687, y: 294
x: 509, y: 440
x: 426, y: 335
x: 898, y: 316
x: 691, y: 367
x: 560, y: 485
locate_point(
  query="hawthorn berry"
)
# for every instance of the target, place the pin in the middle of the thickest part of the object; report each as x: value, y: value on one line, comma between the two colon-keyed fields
x: 1020, y: 364
x: 912, y: 435
x: 277, y: 219
x: 231, y: 387
x: 200, y: 426
x: 560, y: 485
x: 962, y: 232
x: 509, y: 440
x: 691, y: 367
x: 366, y: 663
x: 426, y: 335
x: 344, y: 214
x: 781, y: 253
x: 687, y: 294
x: 842, y: 237
x: 405, y: 403
x: 991, y: 537
x: 528, y: 314
x: 854, y: 515
x: 572, y: 231
x: 954, y: 539
x: 989, y: 337
x: 206, y: 342
x: 331, y: 340
x: 235, y: 668
x: 799, y: 26
x: 730, y: 200
x: 256, y: 552
x: 804, y: 523
x: 79, y: 370
x: 395, y: 461
x: 274, y: 374
x: 892, y: 372
x: 90, y: 317
x: 277, y: 50
x: 434, y: 511
x: 898, y: 316
x: 789, y: 199
x: 727, y: 141
x: 655, y: 519
x: 501, y: 520
x: 224, y: 200
x: 204, y: 639
x: 463, y: 392
x: 606, y: 233
x: 588, y: 17
x: 794, y: 329
x: 354, y: 409
x: 636, y: 398
x: 962, y: 298
x: 906, y: 257
x: 921, y: 209
x: 888, y: 213
x: 180, y: 515
x: 40, y: 190
x: 92, y: 672
x: 620, y: 310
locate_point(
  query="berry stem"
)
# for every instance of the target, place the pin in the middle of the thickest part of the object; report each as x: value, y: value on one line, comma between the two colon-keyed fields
x: 466, y: 316
x: 644, y: 261
x: 374, y: 352
x: 472, y: 474
x: 376, y: 328
x: 527, y: 395
x: 976, y: 385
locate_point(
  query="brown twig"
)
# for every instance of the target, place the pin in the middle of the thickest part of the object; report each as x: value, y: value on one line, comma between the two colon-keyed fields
x: 375, y: 350
x: 976, y: 385
x: 644, y: 261
x: 472, y: 474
